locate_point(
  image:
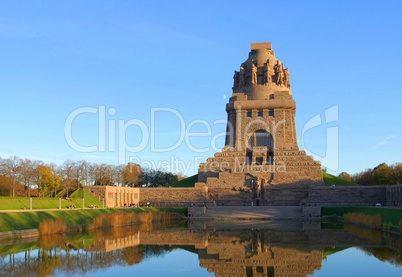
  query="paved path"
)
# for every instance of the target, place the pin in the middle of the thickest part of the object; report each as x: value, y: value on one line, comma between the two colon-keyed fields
x: 44, y: 210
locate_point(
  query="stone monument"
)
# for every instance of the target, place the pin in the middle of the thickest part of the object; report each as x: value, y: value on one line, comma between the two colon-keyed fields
x: 261, y: 145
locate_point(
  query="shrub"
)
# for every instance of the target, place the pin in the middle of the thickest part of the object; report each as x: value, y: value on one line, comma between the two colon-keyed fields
x: 387, y: 226
x: 400, y: 225
x: 51, y: 226
x: 121, y: 219
x: 372, y: 221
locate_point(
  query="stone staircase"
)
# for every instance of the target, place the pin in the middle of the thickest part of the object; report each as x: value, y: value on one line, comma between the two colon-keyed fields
x: 247, y: 212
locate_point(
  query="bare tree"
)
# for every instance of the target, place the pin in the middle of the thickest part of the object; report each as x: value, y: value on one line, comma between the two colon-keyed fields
x: 11, y: 168
x: 119, y: 174
x: 102, y: 174
x: 67, y: 172
x: 27, y: 174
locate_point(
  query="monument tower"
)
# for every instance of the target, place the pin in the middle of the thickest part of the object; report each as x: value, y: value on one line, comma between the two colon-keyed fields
x: 261, y: 145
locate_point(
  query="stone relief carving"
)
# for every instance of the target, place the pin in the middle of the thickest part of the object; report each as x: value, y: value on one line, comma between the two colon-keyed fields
x: 267, y: 75
x: 235, y: 79
x: 227, y: 148
x: 278, y: 73
x: 253, y: 74
x: 241, y: 76
x: 286, y: 77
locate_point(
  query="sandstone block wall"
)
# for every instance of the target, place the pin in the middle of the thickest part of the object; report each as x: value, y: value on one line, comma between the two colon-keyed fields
x: 174, y: 196
x: 394, y: 196
x: 283, y: 195
x: 346, y: 196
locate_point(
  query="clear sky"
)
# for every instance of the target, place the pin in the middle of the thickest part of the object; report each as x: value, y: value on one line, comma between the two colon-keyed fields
x: 91, y: 79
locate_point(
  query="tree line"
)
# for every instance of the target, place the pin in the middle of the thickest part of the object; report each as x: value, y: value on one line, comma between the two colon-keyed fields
x: 25, y: 177
x: 383, y: 174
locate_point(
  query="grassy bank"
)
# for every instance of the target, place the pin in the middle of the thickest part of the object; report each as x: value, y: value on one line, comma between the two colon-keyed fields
x: 31, y: 220
x: 23, y: 203
x: 330, y: 180
x: 388, y: 218
x: 185, y: 183
x: 387, y: 215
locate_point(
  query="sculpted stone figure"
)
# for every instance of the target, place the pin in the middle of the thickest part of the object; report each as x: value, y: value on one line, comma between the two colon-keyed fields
x: 286, y: 77
x: 253, y: 74
x: 235, y: 79
x: 279, y: 73
x: 267, y: 75
x: 241, y: 76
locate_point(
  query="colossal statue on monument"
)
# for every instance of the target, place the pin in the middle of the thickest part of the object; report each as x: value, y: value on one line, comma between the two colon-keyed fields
x: 261, y: 143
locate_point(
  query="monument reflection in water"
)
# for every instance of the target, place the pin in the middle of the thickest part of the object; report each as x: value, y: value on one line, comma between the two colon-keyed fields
x: 267, y: 249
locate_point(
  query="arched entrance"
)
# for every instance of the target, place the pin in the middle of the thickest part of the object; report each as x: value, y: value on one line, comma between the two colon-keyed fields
x: 260, y: 149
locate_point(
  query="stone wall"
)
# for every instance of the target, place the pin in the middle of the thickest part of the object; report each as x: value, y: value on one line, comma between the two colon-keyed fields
x: 174, y: 196
x: 394, y: 196
x: 346, y: 196
x: 283, y: 195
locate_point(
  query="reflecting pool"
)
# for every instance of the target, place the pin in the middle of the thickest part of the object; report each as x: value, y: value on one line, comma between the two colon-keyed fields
x: 215, y: 248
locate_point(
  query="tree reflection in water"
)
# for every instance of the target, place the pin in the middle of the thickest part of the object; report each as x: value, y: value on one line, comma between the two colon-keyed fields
x: 226, y: 252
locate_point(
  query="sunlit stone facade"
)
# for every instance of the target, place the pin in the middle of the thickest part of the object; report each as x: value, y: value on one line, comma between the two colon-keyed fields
x: 261, y: 144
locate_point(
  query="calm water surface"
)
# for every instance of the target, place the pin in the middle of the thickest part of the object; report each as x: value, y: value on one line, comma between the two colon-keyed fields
x: 208, y: 249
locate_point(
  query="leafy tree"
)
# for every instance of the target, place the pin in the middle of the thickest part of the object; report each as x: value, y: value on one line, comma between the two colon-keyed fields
x: 46, y: 180
x: 157, y: 178
x: 132, y: 255
x: 4, y: 186
x: 132, y: 174
x: 382, y: 175
x: 363, y: 178
x: 397, y: 173
x: 345, y: 176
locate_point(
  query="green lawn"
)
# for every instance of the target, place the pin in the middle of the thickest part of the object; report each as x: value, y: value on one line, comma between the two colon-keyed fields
x: 30, y: 220
x: 21, y: 203
x: 330, y: 179
x: 387, y: 215
x: 186, y: 183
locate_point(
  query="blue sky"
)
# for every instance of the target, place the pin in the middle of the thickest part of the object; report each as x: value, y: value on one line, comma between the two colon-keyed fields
x: 169, y: 65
